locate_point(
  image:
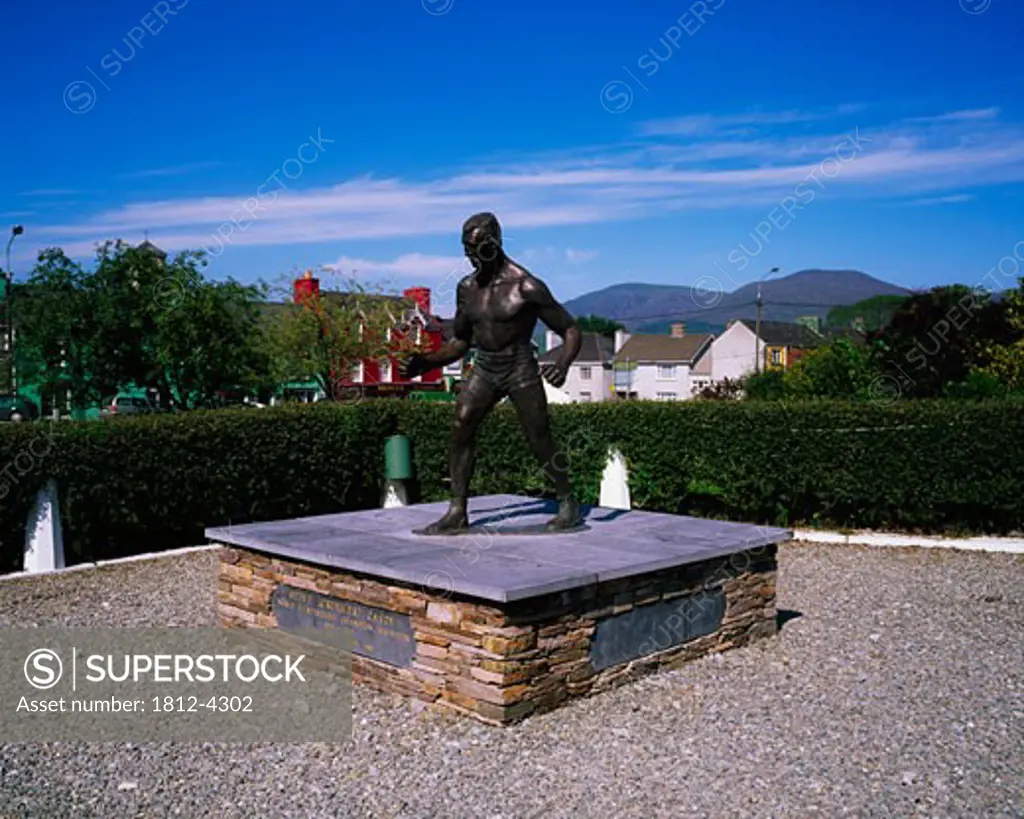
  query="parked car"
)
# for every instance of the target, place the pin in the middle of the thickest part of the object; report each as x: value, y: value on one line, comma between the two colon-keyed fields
x: 122, y: 405
x: 17, y: 409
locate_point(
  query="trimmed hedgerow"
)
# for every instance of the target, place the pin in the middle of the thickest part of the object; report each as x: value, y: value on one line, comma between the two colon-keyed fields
x: 142, y: 484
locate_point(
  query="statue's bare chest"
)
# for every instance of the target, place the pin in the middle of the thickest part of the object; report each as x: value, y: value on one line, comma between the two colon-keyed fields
x: 499, y: 302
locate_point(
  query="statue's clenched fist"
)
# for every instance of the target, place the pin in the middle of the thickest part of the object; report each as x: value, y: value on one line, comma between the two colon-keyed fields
x: 553, y: 374
x: 411, y: 365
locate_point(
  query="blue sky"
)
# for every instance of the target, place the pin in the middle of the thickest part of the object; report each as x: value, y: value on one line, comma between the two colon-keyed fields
x: 664, y: 142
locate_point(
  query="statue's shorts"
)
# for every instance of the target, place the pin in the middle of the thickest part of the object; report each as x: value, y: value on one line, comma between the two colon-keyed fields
x: 508, y: 370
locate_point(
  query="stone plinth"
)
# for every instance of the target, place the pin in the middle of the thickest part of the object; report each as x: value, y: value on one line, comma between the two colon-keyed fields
x: 502, y: 622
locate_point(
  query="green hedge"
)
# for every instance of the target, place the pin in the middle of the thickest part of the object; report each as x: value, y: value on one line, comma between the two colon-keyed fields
x: 141, y: 484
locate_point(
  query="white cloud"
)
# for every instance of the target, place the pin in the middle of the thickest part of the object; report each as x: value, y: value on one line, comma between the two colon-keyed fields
x: 580, y: 256
x: 50, y: 192
x: 410, y: 265
x: 619, y: 182
x: 703, y: 124
x: 968, y: 115
x: 943, y: 200
x: 174, y: 170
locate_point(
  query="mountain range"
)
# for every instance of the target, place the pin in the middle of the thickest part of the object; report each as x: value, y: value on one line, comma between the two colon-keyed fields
x: 651, y: 308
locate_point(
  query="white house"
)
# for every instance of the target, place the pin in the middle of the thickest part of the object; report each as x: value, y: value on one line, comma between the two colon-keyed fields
x: 661, y: 368
x: 590, y: 376
x: 737, y: 351
x: 734, y: 352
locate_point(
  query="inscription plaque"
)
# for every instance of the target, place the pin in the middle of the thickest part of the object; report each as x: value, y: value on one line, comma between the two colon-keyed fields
x: 649, y: 629
x: 375, y: 633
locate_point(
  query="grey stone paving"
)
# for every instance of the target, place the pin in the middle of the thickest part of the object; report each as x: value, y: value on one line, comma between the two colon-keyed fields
x: 501, y: 558
x: 898, y: 692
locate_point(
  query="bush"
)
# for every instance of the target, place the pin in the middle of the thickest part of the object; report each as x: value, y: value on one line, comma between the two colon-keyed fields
x: 141, y: 484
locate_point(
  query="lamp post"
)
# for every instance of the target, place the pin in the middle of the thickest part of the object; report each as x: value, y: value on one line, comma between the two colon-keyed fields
x: 757, y: 323
x: 16, y: 230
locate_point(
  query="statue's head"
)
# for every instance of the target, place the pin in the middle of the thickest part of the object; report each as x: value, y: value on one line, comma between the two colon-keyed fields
x: 481, y: 239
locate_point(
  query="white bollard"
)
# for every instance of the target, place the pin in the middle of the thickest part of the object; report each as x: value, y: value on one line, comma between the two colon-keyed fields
x: 44, y: 541
x: 615, y: 482
x: 395, y: 495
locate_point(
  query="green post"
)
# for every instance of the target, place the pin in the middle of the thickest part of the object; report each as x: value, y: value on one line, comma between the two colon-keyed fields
x: 397, y: 458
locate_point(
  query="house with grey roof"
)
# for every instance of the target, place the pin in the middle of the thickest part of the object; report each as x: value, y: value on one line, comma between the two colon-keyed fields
x: 740, y: 351
x: 590, y: 376
x: 660, y: 367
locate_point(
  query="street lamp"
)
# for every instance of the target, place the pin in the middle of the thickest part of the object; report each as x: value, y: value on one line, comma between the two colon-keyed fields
x: 757, y: 322
x: 16, y: 230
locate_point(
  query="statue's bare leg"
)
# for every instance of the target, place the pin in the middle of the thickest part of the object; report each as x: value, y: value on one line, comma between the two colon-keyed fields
x: 532, y: 409
x: 474, y: 401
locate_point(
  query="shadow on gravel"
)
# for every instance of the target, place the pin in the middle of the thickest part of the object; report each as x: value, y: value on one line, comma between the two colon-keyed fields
x: 783, y: 616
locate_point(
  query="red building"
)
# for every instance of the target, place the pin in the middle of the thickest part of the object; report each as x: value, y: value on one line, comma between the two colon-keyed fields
x: 380, y: 376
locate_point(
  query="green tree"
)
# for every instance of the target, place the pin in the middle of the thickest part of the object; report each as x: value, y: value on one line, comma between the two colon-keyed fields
x: 209, y: 337
x: 1005, y: 362
x: 936, y: 338
x: 875, y: 313
x: 726, y: 389
x: 599, y: 324
x: 324, y: 337
x: 139, y: 320
x: 839, y: 369
x: 767, y: 385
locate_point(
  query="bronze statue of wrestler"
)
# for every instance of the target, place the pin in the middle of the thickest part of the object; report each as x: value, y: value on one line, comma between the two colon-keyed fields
x: 497, y: 307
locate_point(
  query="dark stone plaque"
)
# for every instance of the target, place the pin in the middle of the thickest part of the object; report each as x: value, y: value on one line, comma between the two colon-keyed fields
x: 375, y: 633
x: 656, y: 627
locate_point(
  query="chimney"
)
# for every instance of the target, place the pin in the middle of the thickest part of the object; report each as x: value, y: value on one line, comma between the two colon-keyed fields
x: 621, y: 337
x: 678, y: 329
x: 420, y: 295
x: 306, y: 287
x: 551, y: 340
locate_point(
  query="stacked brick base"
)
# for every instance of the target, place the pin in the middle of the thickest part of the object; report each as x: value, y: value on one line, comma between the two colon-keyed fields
x: 500, y: 662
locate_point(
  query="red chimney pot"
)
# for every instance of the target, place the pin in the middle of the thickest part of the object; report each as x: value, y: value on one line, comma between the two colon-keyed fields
x: 420, y: 295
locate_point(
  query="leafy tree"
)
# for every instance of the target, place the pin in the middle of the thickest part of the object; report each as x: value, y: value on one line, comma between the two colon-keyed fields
x: 840, y: 369
x: 210, y: 339
x: 937, y: 338
x: 726, y: 389
x: 324, y: 337
x: 767, y: 385
x: 599, y: 324
x: 978, y: 386
x: 875, y: 313
x: 1005, y: 362
x: 140, y: 320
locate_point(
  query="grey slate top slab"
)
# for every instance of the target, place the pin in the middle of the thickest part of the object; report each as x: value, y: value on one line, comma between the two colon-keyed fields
x: 493, y: 561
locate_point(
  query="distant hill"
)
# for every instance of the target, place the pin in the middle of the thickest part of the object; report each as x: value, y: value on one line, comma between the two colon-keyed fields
x: 875, y: 312
x: 652, y: 307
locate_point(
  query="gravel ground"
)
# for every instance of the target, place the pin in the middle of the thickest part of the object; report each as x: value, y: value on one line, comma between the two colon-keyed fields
x: 898, y: 691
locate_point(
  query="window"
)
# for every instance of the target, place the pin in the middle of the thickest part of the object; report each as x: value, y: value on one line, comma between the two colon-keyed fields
x: 385, y: 371
x: 666, y: 396
x: 418, y: 335
x: 585, y: 374
x: 586, y: 396
x: 357, y: 372
x: 666, y: 372
x: 776, y: 357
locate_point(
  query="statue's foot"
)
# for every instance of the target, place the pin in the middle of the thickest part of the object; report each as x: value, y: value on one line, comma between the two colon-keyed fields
x: 568, y: 516
x: 454, y: 521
